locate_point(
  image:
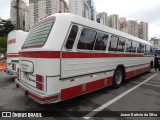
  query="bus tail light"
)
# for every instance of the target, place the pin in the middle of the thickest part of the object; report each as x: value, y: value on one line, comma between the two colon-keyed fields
x: 13, y: 66
x: 40, y: 82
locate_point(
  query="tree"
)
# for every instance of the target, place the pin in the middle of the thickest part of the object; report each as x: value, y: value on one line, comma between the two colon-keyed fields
x: 5, y: 27
x: 3, y: 42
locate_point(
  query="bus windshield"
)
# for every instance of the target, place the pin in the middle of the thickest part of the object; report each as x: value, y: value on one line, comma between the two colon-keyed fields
x: 39, y: 33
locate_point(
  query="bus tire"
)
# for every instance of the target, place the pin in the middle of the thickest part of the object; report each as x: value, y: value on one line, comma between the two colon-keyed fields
x: 118, y: 77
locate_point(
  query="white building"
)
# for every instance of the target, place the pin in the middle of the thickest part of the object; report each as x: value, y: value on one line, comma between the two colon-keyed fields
x: 42, y: 8
x: 155, y: 42
x: 79, y: 7
x: 132, y: 26
x: 102, y: 18
x: 23, y: 14
x: 27, y: 19
x: 143, y: 30
x: 113, y: 21
x: 123, y: 24
x: 156, y: 45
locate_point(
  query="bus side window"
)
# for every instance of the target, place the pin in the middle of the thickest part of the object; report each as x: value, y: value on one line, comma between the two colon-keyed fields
x: 138, y: 47
x: 134, y: 47
x: 101, y: 41
x: 72, y: 37
x: 141, y: 48
x: 121, y: 44
x: 128, y: 46
x: 148, y: 51
x: 87, y: 39
x: 151, y: 50
x: 113, y: 43
x: 145, y: 50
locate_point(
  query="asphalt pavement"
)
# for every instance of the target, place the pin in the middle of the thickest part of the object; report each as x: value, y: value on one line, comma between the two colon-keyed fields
x: 139, y: 94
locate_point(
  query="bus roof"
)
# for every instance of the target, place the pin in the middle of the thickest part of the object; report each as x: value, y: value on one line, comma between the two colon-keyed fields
x: 15, y: 40
x: 61, y: 26
x: 86, y: 22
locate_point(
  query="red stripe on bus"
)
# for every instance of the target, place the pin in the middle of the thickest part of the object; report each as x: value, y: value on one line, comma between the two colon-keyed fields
x: 40, y: 54
x: 136, y: 72
x: 71, y: 92
x: 96, y: 55
x: 109, y: 80
x: 12, y: 56
x: 91, y: 86
x: 54, y: 54
x: 95, y: 85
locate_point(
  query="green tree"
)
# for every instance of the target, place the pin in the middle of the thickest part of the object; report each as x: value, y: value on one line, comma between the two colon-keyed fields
x: 5, y: 27
x: 3, y: 42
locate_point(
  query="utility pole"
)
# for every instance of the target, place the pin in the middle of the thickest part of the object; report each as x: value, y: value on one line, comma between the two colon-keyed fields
x: 18, y: 20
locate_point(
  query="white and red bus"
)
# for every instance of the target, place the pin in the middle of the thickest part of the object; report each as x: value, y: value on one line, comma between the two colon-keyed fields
x: 15, y: 41
x: 65, y: 56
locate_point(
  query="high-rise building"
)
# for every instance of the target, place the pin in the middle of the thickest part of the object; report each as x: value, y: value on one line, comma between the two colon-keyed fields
x: 113, y: 21
x: 42, y: 8
x: 132, y: 27
x: 79, y: 7
x: 27, y: 19
x: 143, y: 30
x: 23, y: 14
x: 123, y: 24
x: 92, y: 9
x: 102, y: 18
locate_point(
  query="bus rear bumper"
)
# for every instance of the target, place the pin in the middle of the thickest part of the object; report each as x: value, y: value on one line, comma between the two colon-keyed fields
x: 40, y: 98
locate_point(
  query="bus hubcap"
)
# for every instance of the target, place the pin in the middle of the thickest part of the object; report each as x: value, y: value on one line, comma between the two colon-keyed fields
x: 118, y: 77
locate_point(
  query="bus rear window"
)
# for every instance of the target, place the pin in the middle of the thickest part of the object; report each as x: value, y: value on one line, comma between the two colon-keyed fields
x: 39, y: 33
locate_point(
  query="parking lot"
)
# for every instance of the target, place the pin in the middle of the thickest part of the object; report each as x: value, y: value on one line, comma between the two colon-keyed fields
x: 141, y: 93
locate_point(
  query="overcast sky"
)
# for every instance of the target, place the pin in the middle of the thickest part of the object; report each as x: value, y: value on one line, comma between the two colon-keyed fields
x: 140, y: 10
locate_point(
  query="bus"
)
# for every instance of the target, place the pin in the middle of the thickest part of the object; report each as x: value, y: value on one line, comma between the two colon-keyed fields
x: 15, y: 41
x: 65, y: 56
x: 157, y: 52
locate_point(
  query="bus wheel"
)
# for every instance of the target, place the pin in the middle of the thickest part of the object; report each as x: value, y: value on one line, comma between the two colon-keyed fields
x: 118, y: 78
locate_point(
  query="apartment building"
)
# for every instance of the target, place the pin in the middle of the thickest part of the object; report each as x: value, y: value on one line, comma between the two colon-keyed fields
x: 92, y: 9
x: 23, y: 14
x: 143, y: 30
x: 132, y: 27
x: 42, y: 8
x: 80, y: 7
x: 102, y: 18
x: 113, y: 21
x: 123, y: 24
